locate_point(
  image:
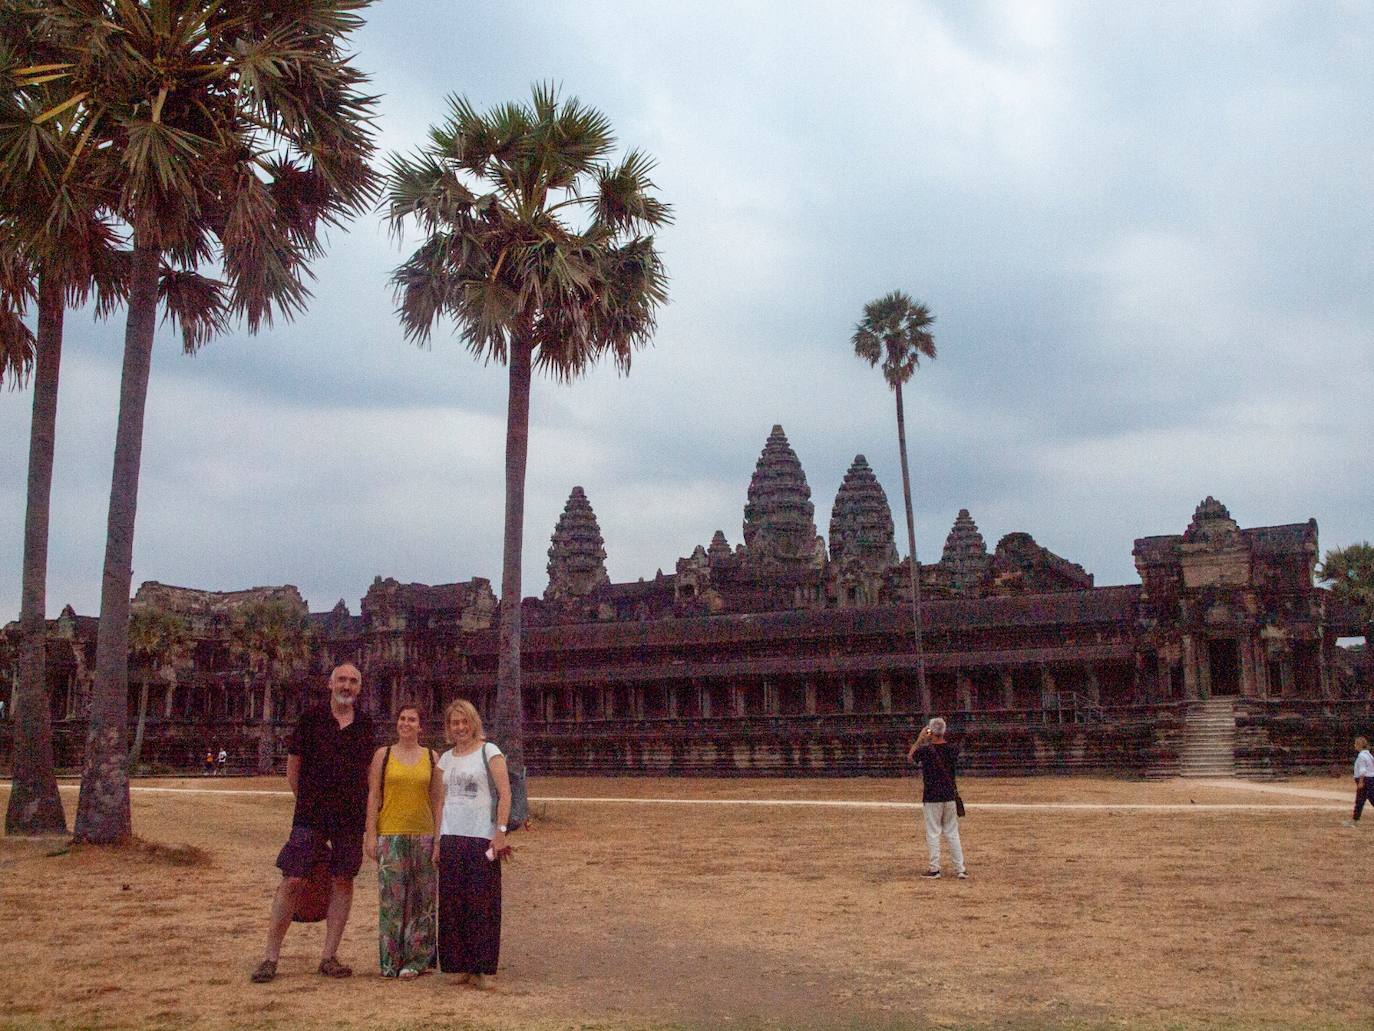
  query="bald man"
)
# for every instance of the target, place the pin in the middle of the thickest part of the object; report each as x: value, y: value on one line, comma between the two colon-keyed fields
x: 326, y: 766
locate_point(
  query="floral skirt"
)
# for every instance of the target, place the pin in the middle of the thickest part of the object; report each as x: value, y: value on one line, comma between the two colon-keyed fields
x: 407, y: 884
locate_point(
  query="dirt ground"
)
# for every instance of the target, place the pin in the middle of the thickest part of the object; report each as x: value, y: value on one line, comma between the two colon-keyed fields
x: 1086, y: 908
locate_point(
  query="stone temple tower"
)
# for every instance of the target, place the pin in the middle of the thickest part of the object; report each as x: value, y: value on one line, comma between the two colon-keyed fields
x: 779, y: 519
x: 861, y: 544
x: 861, y: 521
x: 965, y: 560
x: 577, y: 556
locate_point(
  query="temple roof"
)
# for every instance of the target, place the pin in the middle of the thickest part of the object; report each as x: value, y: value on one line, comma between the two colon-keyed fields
x: 779, y: 519
x: 861, y: 521
x: 1102, y: 605
x: 577, y: 554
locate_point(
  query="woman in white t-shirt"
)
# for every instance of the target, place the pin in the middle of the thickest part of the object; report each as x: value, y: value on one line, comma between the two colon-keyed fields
x: 472, y: 837
x: 1364, y: 778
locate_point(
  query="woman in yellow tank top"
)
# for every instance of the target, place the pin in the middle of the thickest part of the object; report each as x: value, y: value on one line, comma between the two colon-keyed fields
x: 400, y: 837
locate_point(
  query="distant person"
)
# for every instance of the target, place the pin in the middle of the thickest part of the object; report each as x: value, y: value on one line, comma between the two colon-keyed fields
x: 210, y: 763
x: 222, y: 762
x: 326, y: 767
x: 468, y: 853
x: 939, y: 795
x: 405, y: 791
x: 1364, y: 778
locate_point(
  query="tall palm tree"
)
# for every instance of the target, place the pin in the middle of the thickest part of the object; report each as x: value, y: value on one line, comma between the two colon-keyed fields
x: 894, y: 334
x: 219, y: 130
x: 274, y: 637
x: 158, y: 641
x: 536, y: 247
x: 55, y: 250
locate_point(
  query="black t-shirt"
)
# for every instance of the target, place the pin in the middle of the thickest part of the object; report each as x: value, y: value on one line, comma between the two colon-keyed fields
x: 938, y: 771
x: 332, y: 789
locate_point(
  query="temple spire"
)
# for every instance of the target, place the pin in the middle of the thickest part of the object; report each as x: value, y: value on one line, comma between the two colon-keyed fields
x: 577, y: 555
x: 861, y: 520
x: 965, y: 559
x: 779, y: 519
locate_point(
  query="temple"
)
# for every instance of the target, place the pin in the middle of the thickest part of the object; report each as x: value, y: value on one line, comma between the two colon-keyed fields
x: 783, y: 656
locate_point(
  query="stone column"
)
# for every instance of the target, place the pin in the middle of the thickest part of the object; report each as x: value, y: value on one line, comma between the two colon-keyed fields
x: 1259, y: 659
x: 637, y: 701
x: 1286, y: 673
x: 1093, y: 685
x: 1008, y: 689
x: 1249, y: 688
x: 810, y: 703
x: 1204, y: 669
x: 965, y: 683
x: 884, y: 692
x: 772, y: 701
x: 1049, y: 690
x: 671, y: 692
x: 1164, y: 678
x: 703, y: 699
x: 1325, y: 679
x: 1190, y: 684
x: 847, y: 693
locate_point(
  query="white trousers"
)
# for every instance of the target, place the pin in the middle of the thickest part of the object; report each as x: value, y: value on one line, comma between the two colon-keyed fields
x: 941, y: 818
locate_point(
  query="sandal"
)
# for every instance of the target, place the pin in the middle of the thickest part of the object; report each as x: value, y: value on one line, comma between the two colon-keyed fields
x: 408, y: 974
x: 265, y: 971
x: 331, y: 967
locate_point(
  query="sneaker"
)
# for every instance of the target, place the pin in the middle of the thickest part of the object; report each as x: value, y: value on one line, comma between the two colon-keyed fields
x: 963, y: 875
x: 331, y: 967
x: 265, y: 971
x: 932, y: 874
x: 482, y: 982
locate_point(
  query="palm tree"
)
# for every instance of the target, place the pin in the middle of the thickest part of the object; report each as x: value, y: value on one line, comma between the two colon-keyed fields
x: 275, y: 638
x: 895, y: 334
x: 158, y: 642
x: 535, y: 247
x: 1350, y: 572
x: 221, y: 130
x: 55, y: 250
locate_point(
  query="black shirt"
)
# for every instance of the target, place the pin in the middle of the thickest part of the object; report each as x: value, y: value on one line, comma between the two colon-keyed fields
x: 939, y: 764
x: 331, y: 791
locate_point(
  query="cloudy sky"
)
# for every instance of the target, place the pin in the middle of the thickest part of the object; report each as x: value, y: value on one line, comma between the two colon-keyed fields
x: 1145, y: 230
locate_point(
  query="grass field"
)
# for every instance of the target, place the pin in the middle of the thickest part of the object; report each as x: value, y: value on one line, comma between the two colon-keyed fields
x: 1092, y: 904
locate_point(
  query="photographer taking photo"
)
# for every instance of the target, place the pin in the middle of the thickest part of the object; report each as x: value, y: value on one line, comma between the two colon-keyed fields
x: 939, y: 795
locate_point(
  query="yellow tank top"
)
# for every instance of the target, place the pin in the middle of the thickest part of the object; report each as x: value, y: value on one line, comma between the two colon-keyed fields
x: 405, y: 797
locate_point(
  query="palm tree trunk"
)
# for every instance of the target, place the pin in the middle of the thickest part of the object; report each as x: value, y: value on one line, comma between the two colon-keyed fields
x: 507, y: 722
x: 915, y: 565
x: 136, y: 753
x: 102, y: 812
x: 266, y: 738
x: 35, y: 807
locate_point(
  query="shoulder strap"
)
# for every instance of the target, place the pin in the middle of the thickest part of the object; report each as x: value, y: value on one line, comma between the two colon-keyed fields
x: 381, y: 783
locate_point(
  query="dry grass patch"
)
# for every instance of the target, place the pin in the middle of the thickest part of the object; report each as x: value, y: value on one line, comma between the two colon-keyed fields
x: 626, y: 915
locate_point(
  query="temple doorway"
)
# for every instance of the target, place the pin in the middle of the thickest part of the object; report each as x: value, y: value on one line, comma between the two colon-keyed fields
x: 1224, y: 661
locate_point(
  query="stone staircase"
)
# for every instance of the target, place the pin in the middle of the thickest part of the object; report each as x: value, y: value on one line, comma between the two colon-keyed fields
x: 1209, y: 740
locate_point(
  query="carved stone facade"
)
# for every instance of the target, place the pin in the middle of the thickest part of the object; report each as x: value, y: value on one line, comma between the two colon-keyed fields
x: 577, y: 556
x: 776, y: 653
x: 861, y: 540
x: 779, y: 519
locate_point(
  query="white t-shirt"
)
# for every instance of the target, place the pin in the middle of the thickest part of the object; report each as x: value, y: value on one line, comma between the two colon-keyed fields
x: 467, y: 793
x: 1364, y: 764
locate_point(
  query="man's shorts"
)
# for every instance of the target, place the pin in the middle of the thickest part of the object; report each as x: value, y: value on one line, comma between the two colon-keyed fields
x: 342, y: 848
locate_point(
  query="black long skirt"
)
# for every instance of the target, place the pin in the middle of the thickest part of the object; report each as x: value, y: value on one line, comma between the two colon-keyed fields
x: 469, y: 906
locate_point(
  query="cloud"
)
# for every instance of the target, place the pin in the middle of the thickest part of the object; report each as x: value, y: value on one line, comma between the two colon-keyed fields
x: 1144, y: 232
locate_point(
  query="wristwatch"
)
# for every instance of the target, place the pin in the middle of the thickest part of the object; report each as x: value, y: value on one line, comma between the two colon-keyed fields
x: 501, y: 827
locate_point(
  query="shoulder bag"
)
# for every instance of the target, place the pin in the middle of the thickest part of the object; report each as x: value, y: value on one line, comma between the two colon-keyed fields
x: 519, y: 799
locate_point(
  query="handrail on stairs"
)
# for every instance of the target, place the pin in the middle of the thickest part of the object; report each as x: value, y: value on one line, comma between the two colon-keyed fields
x: 1080, y: 708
